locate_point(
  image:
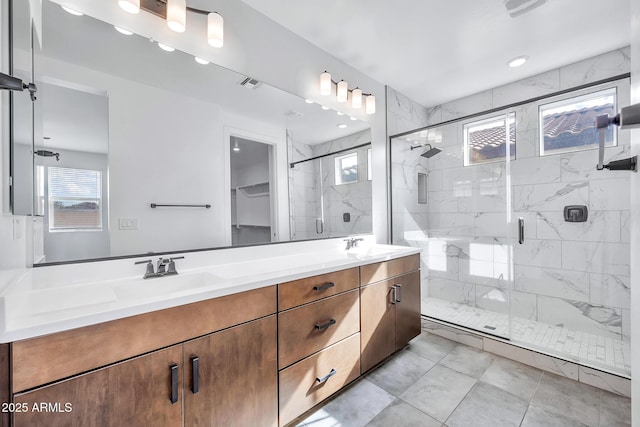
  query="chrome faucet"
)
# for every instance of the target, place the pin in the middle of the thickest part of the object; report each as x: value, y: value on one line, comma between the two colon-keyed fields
x: 166, y: 267
x: 352, y: 242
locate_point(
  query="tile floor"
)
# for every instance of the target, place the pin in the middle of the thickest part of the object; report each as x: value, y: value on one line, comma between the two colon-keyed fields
x: 596, y: 350
x: 436, y: 382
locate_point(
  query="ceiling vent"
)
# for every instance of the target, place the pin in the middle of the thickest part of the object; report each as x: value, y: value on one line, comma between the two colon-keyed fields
x: 520, y: 7
x: 250, y: 83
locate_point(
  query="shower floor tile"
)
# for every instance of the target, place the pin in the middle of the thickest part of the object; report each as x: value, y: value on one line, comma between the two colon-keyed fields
x: 603, y: 352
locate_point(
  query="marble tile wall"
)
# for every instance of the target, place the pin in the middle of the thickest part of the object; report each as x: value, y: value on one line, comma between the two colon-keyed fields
x: 571, y: 274
x: 313, y: 193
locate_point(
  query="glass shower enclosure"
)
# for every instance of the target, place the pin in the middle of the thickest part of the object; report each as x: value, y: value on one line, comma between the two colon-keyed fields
x: 522, y: 237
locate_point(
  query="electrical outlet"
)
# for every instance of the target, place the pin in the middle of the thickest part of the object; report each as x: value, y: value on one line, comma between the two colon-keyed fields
x: 128, y: 223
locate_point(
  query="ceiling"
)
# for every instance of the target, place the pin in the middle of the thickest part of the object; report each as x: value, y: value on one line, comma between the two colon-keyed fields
x: 438, y: 51
x: 133, y: 57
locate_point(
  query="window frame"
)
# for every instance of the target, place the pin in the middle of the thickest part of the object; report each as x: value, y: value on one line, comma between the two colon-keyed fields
x: 50, y: 200
x: 338, y: 168
x: 465, y: 138
x: 574, y: 98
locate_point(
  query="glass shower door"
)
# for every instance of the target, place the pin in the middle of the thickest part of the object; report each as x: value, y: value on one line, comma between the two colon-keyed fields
x: 454, y: 204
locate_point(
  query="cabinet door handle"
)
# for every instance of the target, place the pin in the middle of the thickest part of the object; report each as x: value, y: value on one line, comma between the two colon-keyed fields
x: 324, y: 286
x: 326, y: 377
x: 174, y: 383
x: 393, y: 294
x: 398, y: 296
x: 323, y: 326
x: 195, y: 370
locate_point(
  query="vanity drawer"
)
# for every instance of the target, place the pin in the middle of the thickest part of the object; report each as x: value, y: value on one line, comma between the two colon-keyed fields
x: 307, y: 329
x: 383, y: 270
x: 300, y: 388
x: 302, y: 291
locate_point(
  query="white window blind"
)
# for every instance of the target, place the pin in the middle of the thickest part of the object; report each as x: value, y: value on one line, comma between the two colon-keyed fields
x: 75, y: 199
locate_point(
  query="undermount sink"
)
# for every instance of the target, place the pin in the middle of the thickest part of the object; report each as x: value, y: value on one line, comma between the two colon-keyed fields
x: 372, y: 251
x: 162, y: 286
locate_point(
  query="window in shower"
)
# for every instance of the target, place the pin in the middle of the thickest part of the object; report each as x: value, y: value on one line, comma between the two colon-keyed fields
x: 569, y: 124
x: 346, y: 169
x: 485, y: 140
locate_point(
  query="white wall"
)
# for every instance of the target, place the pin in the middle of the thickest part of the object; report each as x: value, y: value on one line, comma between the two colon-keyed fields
x: 635, y: 225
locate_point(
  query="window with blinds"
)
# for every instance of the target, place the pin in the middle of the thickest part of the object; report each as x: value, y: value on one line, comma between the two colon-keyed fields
x: 75, y: 199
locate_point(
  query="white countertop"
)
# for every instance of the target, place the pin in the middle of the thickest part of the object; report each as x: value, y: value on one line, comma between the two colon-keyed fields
x: 52, y: 299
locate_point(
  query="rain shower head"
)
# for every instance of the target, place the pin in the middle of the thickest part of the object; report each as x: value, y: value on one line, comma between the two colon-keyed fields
x: 429, y: 152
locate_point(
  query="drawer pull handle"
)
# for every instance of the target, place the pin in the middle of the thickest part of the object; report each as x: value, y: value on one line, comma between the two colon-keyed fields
x: 195, y: 371
x: 324, y: 287
x: 322, y: 326
x: 326, y: 377
x: 398, y: 293
x: 393, y: 294
x: 174, y: 383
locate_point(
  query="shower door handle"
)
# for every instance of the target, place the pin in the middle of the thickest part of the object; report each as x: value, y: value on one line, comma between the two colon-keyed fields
x: 521, y: 230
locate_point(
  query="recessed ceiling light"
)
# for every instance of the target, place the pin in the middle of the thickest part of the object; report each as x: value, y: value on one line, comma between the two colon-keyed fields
x: 342, y: 125
x: 72, y: 11
x: 518, y: 61
x: 235, y: 147
x: 340, y: 113
x: 123, y: 31
x: 165, y: 47
x: 352, y: 118
x: 324, y: 107
x: 201, y: 61
x: 130, y: 6
x: 308, y: 101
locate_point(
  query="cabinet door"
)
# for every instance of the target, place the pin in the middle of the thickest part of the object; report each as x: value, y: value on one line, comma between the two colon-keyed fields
x: 408, y: 323
x: 377, y: 323
x: 236, y: 379
x: 133, y: 393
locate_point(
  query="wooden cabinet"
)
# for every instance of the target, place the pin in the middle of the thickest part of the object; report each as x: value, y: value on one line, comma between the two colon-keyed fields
x: 390, y: 310
x: 318, y: 339
x: 231, y: 377
x: 137, y: 392
x: 317, y: 377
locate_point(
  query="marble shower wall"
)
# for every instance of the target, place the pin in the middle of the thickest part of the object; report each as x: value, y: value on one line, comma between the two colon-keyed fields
x: 313, y: 193
x: 570, y: 274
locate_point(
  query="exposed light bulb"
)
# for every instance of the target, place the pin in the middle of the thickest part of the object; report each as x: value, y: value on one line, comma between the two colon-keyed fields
x: 177, y: 15
x: 165, y: 47
x: 201, y: 61
x: 343, y: 89
x: 215, y: 29
x: 356, y: 98
x: 130, y: 6
x: 325, y: 84
x: 72, y: 11
x: 123, y: 31
x: 371, y: 104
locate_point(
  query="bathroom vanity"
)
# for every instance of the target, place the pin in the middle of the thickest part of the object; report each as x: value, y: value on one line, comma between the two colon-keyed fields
x: 273, y: 344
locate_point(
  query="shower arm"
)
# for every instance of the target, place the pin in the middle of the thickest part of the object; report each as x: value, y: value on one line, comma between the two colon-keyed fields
x: 629, y: 117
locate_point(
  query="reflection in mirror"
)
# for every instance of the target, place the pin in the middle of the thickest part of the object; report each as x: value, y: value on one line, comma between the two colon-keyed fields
x: 121, y: 124
x: 331, y: 187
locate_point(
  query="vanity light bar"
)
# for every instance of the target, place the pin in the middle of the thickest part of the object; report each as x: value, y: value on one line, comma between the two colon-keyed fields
x: 342, y: 93
x: 175, y: 13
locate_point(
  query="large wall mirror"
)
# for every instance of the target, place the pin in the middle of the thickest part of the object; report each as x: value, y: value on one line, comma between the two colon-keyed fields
x: 132, y: 149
